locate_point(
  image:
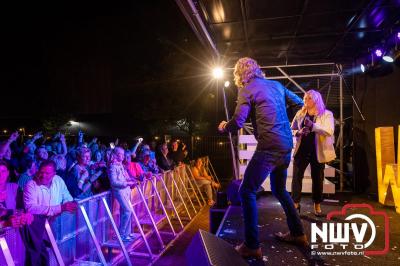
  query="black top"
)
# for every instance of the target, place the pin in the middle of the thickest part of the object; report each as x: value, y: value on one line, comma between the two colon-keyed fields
x: 165, y: 163
x: 176, y: 156
x: 307, y: 144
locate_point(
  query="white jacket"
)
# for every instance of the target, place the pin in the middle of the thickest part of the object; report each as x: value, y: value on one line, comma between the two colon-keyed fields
x: 324, y: 128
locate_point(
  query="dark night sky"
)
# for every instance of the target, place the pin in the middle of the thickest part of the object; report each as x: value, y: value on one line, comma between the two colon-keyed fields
x: 122, y: 60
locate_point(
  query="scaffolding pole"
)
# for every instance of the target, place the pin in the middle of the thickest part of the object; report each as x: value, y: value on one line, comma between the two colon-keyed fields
x: 340, y: 68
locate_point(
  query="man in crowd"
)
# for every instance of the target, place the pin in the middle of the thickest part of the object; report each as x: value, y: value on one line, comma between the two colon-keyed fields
x: 44, y: 196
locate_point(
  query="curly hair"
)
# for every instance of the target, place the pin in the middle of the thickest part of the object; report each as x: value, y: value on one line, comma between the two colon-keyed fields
x: 245, y: 70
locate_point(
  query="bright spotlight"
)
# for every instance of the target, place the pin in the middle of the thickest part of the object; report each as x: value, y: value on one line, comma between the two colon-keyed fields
x: 388, y: 59
x: 362, y: 67
x: 378, y: 52
x: 73, y: 123
x: 227, y: 83
x: 217, y: 73
x: 398, y: 35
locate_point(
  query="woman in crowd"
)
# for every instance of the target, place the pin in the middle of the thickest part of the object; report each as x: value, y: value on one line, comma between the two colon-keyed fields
x: 147, y: 163
x: 28, y: 170
x: 163, y: 161
x: 99, y: 166
x: 120, y: 185
x: 61, y: 164
x: 177, y: 153
x: 9, y: 201
x: 203, y: 180
x: 134, y: 169
x: 79, y: 180
x: 313, y: 127
x: 41, y: 155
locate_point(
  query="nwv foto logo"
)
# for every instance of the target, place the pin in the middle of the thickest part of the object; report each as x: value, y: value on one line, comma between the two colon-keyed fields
x: 336, y: 233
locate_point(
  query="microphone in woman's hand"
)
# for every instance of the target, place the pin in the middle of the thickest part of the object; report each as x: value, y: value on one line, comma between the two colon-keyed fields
x: 307, y: 122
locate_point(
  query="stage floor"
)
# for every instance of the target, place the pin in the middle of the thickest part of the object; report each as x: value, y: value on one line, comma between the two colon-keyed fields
x: 272, y: 219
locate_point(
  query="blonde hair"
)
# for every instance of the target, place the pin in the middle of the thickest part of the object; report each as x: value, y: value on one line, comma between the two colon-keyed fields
x: 317, y: 99
x: 245, y: 70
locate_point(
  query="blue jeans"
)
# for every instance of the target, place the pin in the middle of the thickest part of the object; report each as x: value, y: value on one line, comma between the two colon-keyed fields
x: 262, y: 164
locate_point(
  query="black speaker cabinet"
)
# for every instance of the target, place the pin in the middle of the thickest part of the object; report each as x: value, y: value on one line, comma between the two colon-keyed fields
x: 206, y: 249
x: 216, y: 216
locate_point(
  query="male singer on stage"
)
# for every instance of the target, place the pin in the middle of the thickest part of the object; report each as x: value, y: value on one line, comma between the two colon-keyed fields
x: 265, y: 102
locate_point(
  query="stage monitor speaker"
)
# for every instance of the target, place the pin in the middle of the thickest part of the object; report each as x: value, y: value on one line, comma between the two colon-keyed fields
x: 233, y: 192
x: 206, y: 249
x: 216, y: 216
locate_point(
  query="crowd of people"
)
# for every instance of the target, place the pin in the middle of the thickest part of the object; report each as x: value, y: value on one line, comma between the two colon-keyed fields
x: 43, y: 177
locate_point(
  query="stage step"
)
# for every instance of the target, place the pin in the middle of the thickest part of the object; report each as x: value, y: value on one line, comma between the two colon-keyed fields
x: 85, y: 263
x: 157, y: 219
x: 113, y: 243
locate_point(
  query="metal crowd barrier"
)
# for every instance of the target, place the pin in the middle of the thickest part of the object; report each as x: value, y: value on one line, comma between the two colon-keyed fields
x: 91, y: 236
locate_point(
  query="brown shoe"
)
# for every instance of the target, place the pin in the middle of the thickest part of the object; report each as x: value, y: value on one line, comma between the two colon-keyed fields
x: 246, y: 252
x: 317, y: 210
x: 210, y: 202
x: 295, y: 240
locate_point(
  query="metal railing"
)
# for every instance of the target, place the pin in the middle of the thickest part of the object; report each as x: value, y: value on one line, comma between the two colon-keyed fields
x: 90, y: 235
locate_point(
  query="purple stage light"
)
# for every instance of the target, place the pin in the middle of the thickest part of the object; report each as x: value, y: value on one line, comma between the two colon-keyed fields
x: 378, y: 52
x: 398, y: 35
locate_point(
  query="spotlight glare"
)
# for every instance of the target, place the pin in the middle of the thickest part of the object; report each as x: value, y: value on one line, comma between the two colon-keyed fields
x: 362, y: 68
x: 398, y: 35
x: 227, y: 83
x: 388, y: 59
x: 378, y: 52
x: 217, y: 73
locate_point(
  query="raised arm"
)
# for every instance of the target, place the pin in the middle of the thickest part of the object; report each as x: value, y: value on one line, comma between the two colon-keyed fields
x: 64, y: 145
x: 241, y: 111
x: 292, y: 100
x: 6, y: 146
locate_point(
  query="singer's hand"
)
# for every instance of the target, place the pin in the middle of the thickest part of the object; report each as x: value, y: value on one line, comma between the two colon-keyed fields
x: 303, y: 131
x: 221, y: 127
x: 308, y: 122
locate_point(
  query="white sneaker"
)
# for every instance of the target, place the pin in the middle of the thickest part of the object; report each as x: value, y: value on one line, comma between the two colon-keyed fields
x: 126, y: 238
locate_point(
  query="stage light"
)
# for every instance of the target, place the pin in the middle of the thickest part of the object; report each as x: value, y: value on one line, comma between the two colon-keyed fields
x: 362, y: 67
x: 388, y: 58
x: 217, y: 73
x: 227, y: 83
x: 378, y: 52
x: 398, y: 35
